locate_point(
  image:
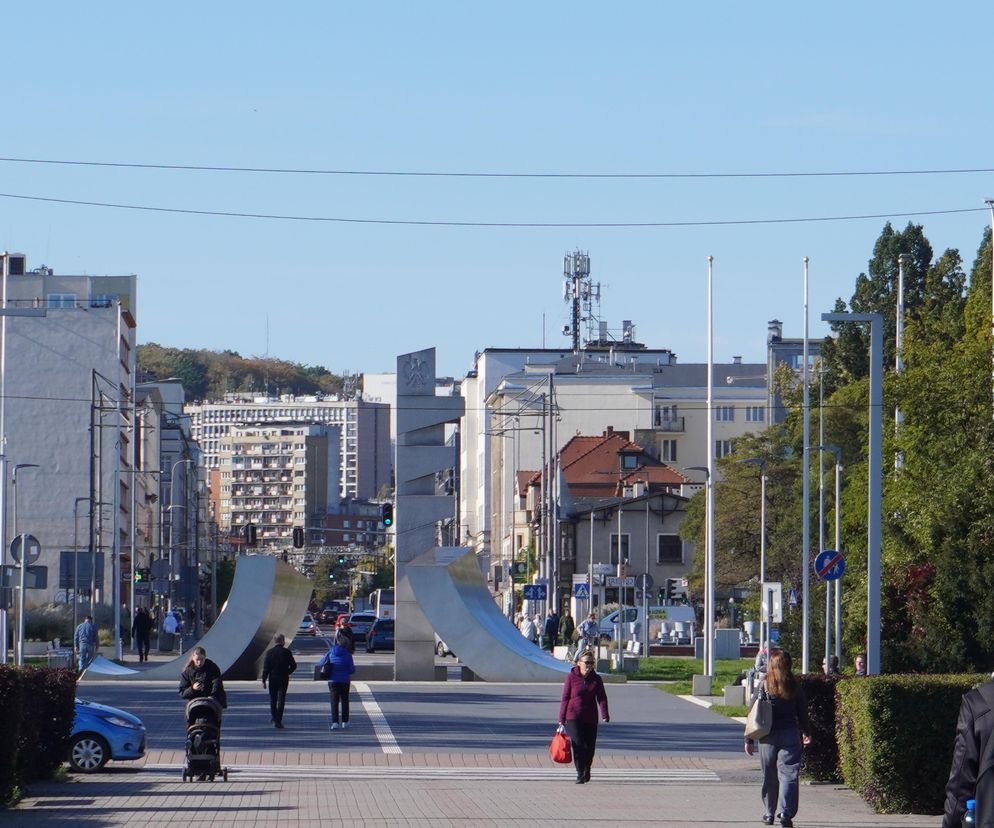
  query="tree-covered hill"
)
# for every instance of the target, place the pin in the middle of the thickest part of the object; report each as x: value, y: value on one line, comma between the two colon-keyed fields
x: 209, y: 375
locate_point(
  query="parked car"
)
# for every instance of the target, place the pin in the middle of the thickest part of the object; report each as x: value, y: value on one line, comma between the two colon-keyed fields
x: 441, y: 648
x: 360, y: 623
x: 307, y: 625
x: 380, y: 635
x: 100, y: 733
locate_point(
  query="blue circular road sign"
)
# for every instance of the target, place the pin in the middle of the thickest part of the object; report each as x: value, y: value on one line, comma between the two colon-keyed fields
x: 829, y: 565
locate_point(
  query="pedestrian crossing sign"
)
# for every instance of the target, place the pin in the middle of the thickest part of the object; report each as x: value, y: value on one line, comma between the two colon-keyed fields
x: 581, y: 591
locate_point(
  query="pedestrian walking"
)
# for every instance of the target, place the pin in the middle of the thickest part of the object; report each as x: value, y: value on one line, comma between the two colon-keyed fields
x: 84, y: 641
x: 780, y: 749
x: 344, y: 635
x: 859, y: 664
x: 342, y: 667
x: 201, y: 678
x: 141, y: 631
x: 551, y: 630
x: 277, y: 666
x: 566, y: 628
x: 583, y: 694
x: 528, y: 629
x: 972, y: 750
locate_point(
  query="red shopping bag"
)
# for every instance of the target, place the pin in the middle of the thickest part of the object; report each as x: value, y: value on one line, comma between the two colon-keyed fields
x: 560, y: 750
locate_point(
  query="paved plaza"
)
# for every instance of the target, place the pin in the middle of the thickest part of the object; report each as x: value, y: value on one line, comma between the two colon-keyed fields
x: 433, y: 754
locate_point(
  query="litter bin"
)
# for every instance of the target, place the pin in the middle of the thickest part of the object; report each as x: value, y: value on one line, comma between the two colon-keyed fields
x: 167, y: 641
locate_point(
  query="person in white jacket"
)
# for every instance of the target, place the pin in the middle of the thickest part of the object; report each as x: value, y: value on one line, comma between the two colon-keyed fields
x: 529, y: 630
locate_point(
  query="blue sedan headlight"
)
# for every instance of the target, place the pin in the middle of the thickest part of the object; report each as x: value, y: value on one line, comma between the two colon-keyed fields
x: 119, y: 722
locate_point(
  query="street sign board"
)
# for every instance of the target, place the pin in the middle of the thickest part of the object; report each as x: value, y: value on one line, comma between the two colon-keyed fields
x: 829, y: 565
x: 773, y: 590
x: 645, y: 581
x: 792, y: 599
x: 160, y: 569
x: 33, y: 546
x: 602, y: 569
x: 581, y: 591
x: 534, y: 592
x: 143, y: 588
x: 614, y: 580
x: 36, y: 577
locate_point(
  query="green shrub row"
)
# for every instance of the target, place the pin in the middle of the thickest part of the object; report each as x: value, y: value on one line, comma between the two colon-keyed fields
x: 37, y: 708
x: 895, y: 736
x: 821, y: 758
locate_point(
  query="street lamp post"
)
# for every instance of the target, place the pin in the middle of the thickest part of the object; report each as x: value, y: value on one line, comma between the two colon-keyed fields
x: 24, y: 567
x: 75, y: 556
x: 709, y: 567
x: 759, y: 461
x: 172, y: 505
x: 828, y: 584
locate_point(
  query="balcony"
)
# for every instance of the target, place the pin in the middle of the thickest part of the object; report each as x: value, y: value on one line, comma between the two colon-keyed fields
x: 669, y: 425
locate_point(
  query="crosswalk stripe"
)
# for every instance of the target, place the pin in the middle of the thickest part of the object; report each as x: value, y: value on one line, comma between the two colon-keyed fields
x: 381, y: 728
x: 262, y: 773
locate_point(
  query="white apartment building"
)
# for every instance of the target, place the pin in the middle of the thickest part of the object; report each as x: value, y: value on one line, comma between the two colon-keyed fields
x: 364, y: 464
x: 646, y: 393
x: 69, y: 375
x: 277, y: 477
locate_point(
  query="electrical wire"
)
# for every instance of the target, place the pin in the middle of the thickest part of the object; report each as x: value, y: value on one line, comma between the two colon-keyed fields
x: 492, y: 224
x: 440, y: 174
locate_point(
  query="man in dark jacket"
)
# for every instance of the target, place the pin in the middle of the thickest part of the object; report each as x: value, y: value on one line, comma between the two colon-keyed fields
x: 276, y: 669
x: 972, y: 775
x: 141, y: 630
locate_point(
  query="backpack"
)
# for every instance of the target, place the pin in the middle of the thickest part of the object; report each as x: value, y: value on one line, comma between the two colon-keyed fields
x: 985, y: 765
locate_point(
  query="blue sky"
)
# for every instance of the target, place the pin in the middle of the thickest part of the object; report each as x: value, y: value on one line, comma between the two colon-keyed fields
x: 507, y: 88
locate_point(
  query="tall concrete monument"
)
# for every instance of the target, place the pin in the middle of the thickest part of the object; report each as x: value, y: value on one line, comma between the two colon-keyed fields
x: 421, y: 452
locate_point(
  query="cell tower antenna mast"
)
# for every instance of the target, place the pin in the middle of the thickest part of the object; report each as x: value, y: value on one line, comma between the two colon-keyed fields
x: 581, y: 294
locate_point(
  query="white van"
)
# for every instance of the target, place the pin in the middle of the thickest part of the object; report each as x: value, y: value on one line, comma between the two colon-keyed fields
x: 665, y: 623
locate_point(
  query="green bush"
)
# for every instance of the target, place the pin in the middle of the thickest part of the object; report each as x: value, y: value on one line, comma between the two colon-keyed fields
x: 820, y: 761
x: 11, y: 692
x: 47, y: 711
x: 51, y: 621
x: 895, y: 737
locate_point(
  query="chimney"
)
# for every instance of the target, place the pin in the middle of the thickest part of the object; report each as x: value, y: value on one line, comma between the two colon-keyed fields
x: 774, y: 331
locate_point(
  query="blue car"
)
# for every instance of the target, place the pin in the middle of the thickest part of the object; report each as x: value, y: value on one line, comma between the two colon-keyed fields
x: 380, y: 635
x: 101, y: 733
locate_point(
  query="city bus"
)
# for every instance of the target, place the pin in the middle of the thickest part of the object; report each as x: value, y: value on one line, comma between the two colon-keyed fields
x: 381, y: 602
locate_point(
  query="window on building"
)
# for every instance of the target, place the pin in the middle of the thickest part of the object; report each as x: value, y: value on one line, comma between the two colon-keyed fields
x: 722, y: 448
x: 614, y: 547
x: 755, y: 413
x: 629, y: 461
x: 62, y: 300
x: 102, y: 300
x: 724, y: 413
x: 667, y: 451
x: 669, y: 549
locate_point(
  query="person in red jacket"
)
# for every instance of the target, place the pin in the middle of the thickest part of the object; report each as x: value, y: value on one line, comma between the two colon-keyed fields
x: 583, y: 693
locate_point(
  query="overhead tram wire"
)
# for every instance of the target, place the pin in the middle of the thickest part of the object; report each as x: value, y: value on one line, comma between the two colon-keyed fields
x: 492, y: 224
x: 457, y: 174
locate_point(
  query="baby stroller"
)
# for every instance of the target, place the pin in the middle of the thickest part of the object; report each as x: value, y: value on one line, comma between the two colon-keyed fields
x: 203, y: 741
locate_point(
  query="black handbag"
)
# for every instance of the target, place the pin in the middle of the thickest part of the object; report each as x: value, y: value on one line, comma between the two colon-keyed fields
x: 325, y: 673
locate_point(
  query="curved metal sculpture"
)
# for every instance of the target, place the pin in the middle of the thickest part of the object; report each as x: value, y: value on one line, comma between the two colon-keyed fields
x: 449, y: 586
x: 267, y: 597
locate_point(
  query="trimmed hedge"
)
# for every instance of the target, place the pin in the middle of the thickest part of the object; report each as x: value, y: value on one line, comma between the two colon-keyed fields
x: 820, y: 761
x: 11, y: 694
x: 895, y: 738
x: 37, y: 706
x: 48, y: 708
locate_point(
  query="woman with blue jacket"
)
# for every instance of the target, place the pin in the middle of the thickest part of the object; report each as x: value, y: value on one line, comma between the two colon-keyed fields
x: 339, y: 681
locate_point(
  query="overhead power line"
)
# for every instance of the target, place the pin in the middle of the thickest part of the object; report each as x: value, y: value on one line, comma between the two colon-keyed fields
x: 504, y: 224
x: 457, y: 174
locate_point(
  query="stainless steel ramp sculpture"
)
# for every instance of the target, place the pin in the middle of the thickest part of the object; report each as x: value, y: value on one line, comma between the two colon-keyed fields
x: 267, y: 597
x: 450, y: 589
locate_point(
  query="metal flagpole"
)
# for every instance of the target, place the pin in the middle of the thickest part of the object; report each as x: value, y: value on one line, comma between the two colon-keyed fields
x: 805, y: 494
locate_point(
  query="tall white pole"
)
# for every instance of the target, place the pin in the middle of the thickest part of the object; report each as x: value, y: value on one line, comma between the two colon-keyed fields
x: 709, y: 545
x: 805, y: 494
x: 116, y: 587
x: 899, y: 350
x: 990, y: 206
x: 762, y: 553
x: 3, y: 446
x: 821, y: 508
x: 838, y: 548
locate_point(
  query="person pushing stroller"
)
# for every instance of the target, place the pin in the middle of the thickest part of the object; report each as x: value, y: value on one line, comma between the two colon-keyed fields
x: 201, y: 685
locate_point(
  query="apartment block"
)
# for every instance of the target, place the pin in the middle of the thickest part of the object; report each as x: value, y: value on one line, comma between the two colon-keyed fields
x: 364, y: 427
x: 277, y: 477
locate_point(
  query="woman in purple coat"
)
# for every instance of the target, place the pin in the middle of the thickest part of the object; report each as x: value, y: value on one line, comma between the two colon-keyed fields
x: 583, y: 693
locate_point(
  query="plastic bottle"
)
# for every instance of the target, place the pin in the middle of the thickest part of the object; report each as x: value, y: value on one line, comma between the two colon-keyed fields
x: 970, y: 817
